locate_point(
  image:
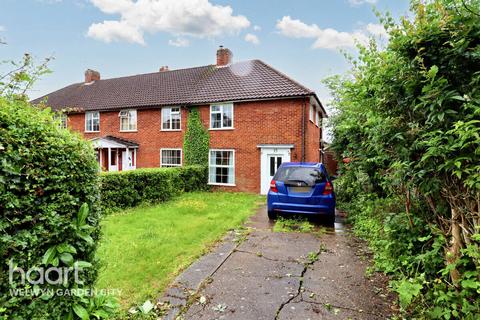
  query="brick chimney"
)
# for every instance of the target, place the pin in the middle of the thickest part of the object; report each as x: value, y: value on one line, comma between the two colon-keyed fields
x: 91, y: 75
x: 163, y: 69
x: 224, y: 56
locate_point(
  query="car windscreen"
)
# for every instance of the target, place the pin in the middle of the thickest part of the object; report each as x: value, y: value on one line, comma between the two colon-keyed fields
x: 304, y: 175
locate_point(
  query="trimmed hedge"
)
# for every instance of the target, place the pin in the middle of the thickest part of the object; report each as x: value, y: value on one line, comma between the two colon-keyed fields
x: 127, y: 189
x: 49, y: 215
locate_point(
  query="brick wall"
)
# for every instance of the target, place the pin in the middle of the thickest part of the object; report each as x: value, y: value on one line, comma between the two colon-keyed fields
x: 330, y: 162
x: 259, y: 122
x: 313, y: 136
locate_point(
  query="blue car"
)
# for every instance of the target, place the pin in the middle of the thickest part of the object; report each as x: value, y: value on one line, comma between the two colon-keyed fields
x: 302, y: 188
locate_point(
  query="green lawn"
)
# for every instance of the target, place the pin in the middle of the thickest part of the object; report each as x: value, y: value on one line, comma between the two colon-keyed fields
x: 144, y: 248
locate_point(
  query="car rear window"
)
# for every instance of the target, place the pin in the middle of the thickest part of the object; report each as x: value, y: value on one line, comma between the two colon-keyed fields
x: 306, y: 175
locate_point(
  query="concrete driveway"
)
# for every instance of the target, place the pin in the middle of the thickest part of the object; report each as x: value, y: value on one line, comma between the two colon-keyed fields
x: 260, y: 274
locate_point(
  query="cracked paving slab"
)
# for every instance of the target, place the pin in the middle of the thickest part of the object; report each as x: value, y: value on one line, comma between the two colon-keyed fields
x: 268, y: 276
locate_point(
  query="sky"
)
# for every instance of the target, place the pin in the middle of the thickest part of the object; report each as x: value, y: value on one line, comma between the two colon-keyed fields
x: 303, y: 38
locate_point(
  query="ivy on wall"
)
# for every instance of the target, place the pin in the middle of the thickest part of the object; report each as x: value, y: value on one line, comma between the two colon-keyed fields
x: 196, y: 141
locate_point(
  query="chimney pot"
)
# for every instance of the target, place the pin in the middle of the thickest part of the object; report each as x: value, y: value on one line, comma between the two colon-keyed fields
x: 163, y: 68
x: 91, y: 75
x: 224, y: 56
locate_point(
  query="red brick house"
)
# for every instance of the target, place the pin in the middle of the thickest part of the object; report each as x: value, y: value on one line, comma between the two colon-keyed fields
x: 257, y: 118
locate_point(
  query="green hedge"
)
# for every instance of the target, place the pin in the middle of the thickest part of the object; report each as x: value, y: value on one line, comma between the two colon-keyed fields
x: 126, y: 189
x: 47, y: 175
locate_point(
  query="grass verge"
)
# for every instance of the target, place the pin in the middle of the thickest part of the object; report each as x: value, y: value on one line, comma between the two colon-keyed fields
x: 144, y: 248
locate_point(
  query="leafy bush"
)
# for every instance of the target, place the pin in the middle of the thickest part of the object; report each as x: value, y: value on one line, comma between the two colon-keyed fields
x: 50, y: 217
x: 126, y: 189
x: 409, y: 121
x: 413, y: 256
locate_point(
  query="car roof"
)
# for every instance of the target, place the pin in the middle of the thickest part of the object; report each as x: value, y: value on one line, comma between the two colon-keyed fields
x: 303, y: 164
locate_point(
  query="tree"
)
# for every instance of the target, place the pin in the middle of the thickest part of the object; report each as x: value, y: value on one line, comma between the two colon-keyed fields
x: 17, y: 81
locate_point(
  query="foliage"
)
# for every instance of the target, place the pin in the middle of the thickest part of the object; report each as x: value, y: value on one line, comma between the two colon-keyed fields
x: 292, y: 225
x: 409, y: 120
x: 50, y: 215
x: 17, y: 81
x: 127, y: 189
x: 164, y: 239
x: 196, y: 141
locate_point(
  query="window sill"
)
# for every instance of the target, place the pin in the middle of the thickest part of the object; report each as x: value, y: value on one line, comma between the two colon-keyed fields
x: 170, y: 130
x: 220, y: 129
x: 222, y: 184
x: 92, y: 131
x: 128, y: 130
x: 171, y: 166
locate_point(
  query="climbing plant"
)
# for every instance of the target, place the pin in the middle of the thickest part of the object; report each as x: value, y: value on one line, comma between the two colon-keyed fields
x: 196, y: 141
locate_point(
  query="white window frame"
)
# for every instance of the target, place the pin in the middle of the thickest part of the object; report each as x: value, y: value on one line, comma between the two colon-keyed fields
x: 221, y: 166
x: 221, y: 105
x: 170, y: 115
x: 312, y: 113
x: 129, y: 116
x: 169, y: 165
x: 63, y: 118
x: 317, y: 116
x: 91, y: 120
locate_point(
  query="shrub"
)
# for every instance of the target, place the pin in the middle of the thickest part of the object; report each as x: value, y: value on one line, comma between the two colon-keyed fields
x: 50, y: 215
x: 408, y: 119
x: 126, y: 189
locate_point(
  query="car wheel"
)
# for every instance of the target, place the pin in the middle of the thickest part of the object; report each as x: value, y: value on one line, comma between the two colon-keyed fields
x: 330, y: 219
x: 272, y: 215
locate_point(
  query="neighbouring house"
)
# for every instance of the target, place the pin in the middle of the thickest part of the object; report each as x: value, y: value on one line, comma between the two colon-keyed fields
x: 257, y: 118
x: 328, y: 158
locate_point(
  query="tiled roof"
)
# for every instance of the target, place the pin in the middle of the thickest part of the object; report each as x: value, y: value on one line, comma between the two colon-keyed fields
x: 128, y: 143
x: 123, y: 142
x: 246, y: 80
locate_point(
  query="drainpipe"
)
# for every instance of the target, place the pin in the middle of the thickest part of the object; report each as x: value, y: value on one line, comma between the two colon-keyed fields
x: 303, y: 130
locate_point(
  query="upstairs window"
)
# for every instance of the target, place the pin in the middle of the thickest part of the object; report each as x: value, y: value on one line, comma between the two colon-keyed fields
x: 170, y: 157
x: 221, y: 116
x: 128, y: 120
x: 171, y: 118
x: 317, y: 117
x: 63, y: 118
x: 312, y: 113
x: 92, y: 121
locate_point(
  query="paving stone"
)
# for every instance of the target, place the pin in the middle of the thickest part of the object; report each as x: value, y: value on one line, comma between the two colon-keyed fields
x: 268, y: 274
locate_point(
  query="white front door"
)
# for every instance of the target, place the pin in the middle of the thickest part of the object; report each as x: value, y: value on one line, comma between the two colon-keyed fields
x: 128, y: 160
x: 270, y: 160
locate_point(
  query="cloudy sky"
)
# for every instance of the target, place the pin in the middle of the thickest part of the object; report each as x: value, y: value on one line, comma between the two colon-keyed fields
x: 302, y: 38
